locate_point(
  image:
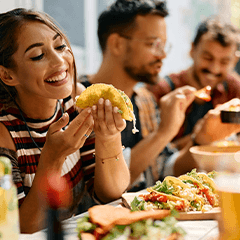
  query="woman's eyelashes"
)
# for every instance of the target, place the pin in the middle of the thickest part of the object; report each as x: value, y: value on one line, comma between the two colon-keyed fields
x: 61, y: 47
x: 39, y: 57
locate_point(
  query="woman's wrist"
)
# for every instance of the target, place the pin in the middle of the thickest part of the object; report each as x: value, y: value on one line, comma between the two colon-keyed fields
x: 108, y: 147
x: 50, y: 161
x: 108, y: 139
x: 112, y: 157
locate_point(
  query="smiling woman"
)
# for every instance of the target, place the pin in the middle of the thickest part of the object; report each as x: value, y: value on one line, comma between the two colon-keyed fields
x: 41, y: 132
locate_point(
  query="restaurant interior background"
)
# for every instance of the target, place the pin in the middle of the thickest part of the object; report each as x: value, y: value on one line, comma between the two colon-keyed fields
x: 78, y: 18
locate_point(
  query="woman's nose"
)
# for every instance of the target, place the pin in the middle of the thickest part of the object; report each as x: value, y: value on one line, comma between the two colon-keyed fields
x: 56, y: 59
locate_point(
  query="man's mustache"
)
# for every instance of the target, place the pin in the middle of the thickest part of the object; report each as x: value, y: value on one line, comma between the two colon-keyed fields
x: 205, y: 70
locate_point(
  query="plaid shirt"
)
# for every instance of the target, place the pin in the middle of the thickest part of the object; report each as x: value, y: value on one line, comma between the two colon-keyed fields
x: 148, y: 111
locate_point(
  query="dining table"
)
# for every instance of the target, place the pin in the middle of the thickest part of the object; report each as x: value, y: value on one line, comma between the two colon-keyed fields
x: 195, y: 229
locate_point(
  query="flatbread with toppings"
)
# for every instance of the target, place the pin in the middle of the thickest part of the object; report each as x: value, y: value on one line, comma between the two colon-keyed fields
x: 109, y: 223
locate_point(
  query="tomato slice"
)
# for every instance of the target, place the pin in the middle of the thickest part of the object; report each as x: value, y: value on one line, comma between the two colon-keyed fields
x: 204, y: 93
x: 158, y: 197
x: 209, y: 197
x: 155, y: 197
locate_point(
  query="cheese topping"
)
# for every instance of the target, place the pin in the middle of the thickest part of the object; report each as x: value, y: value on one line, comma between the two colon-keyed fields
x: 134, y: 130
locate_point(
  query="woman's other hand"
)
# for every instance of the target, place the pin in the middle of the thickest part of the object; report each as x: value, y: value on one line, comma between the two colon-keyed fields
x: 61, y: 143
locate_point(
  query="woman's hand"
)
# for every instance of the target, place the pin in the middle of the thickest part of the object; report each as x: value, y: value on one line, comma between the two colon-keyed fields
x: 112, y: 177
x: 107, y: 120
x: 61, y: 143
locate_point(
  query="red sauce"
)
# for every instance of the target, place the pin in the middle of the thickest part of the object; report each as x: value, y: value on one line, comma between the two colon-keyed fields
x: 195, y: 184
x: 180, y: 207
x: 158, y: 197
x: 155, y: 197
x: 209, y: 197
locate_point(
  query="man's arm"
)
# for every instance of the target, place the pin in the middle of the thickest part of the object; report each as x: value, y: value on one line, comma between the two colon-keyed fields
x: 207, y: 130
x: 173, y: 106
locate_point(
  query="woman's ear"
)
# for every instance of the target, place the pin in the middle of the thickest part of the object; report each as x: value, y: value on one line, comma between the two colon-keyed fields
x: 5, y: 75
x: 115, y: 44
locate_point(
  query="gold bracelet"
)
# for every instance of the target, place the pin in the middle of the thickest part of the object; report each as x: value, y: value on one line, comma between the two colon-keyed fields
x: 114, y: 157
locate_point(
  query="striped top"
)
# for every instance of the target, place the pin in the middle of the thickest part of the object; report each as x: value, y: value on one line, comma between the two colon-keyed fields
x: 79, y: 173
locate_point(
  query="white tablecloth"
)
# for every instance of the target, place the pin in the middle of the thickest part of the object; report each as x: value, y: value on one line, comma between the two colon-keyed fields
x: 195, y: 229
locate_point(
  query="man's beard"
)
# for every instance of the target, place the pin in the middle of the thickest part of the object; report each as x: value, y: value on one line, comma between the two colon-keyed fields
x: 141, y: 76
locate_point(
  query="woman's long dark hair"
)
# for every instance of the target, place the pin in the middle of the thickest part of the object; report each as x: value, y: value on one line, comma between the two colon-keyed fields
x: 10, y: 27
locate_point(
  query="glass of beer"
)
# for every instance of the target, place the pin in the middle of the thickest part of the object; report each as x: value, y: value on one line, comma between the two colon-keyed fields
x: 228, y: 185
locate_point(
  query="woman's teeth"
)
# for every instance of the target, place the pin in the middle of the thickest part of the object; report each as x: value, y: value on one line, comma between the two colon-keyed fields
x: 57, y: 78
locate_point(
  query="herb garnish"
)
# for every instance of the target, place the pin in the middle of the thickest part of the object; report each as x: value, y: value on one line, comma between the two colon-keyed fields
x: 163, y: 187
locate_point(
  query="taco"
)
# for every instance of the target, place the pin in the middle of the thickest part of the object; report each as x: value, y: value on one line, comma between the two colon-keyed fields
x: 118, y: 98
x: 190, y: 192
x: 208, y: 181
x: 160, y: 200
x: 183, y: 190
x: 108, y: 222
x: 205, y: 186
x: 174, y: 187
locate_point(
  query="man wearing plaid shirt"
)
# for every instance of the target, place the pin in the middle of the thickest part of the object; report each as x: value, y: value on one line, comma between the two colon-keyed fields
x: 132, y: 36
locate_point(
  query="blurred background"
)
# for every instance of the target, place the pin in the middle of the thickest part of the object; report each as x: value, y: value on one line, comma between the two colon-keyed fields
x: 78, y: 18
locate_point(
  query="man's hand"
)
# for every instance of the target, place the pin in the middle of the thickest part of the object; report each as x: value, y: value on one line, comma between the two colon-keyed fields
x: 173, y: 107
x: 210, y: 128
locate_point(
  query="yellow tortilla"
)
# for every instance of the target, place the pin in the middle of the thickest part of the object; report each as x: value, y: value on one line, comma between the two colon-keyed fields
x: 208, y: 180
x: 185, y: 177
x: 92, y: 94
x: 170, y: 197
x: 175, y: 182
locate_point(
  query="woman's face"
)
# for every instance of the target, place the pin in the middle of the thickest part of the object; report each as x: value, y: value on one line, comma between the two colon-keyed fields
x: 44, y: 64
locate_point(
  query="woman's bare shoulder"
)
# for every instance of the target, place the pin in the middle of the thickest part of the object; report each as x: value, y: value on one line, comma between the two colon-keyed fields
x: 80, y: 88
x: 6, y: 140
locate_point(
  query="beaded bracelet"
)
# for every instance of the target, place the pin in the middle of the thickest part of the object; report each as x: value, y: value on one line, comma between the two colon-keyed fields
x: 116, y: 157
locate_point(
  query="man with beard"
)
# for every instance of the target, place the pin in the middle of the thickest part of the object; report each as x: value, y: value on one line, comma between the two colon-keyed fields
x: 215, y: 52
x: 132, y: 36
